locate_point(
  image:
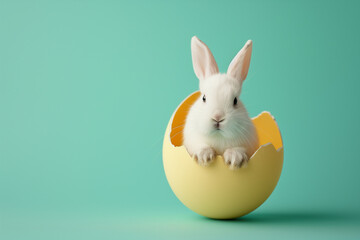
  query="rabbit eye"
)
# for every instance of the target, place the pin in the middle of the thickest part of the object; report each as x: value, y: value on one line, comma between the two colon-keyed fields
x: 235, y: 101
x: 204, y: 98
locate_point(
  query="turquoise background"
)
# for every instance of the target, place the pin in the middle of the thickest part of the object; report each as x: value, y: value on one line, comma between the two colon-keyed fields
x: 88, y: 87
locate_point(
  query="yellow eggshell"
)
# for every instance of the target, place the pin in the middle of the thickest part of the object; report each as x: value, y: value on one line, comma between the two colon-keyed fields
x: 216, y: 191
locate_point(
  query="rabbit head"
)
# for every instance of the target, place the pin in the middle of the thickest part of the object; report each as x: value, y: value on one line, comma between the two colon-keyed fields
x: 219, y: 110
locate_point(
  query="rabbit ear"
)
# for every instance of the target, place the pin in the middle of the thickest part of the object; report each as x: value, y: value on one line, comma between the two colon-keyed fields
x: 203, y: 61
x: 239, y: 66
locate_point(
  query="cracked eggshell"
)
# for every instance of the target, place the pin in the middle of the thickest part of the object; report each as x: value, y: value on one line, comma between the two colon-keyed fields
x: 216, y: 191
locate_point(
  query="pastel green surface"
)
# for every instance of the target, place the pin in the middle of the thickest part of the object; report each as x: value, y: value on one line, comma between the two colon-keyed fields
x: 87, y: 89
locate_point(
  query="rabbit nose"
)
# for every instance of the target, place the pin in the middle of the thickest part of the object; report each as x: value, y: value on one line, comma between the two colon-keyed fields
x: 218, y: 118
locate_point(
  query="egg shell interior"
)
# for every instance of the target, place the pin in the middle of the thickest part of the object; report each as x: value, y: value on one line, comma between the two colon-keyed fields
x: 216, y: 191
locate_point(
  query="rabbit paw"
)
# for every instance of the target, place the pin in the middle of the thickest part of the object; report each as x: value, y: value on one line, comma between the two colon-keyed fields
x: 235, y: 157
x: 205, y: 156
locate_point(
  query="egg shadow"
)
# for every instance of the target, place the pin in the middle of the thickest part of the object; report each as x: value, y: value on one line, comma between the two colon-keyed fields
x: 293, y: 217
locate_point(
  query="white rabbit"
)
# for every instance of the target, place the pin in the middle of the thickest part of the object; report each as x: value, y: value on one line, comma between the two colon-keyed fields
x: 218, y: 123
